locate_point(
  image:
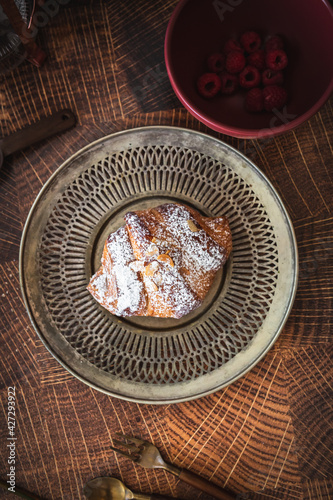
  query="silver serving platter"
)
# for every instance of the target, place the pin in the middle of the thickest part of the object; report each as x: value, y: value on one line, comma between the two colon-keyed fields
x: 152, y: 360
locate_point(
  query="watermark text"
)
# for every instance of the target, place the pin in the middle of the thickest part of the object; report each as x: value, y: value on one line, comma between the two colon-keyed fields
x: 11, y: 445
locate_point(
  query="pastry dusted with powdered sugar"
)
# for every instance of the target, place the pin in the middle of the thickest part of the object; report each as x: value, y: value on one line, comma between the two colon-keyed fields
x: 161, y: 263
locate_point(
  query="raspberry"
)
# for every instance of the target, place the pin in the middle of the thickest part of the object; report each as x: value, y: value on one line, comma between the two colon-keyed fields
x: 208, y: 85
x: 251, y: 41
x: 274, y: 43
x: 254, y: 100
x: 270, y: 77
x: 276, y: 59
x: 235, y: 62
x: 257, y: 59
x: 215, y: 62
x: 249, y: 77
x: 274, y: 97
x: 229, y: 83
x: 232, y: 45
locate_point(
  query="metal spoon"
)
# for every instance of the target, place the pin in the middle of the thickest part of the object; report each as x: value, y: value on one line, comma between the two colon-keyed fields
x: 110, y: 488
x: 43, y: 129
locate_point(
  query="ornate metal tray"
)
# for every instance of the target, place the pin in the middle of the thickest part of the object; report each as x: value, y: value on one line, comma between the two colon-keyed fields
x: 151, y: 360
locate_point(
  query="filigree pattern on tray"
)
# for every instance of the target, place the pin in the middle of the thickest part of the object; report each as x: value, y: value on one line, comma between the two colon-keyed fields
x: 118, y: 348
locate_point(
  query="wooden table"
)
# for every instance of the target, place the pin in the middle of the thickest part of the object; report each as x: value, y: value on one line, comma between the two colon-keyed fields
x: 268, y: 435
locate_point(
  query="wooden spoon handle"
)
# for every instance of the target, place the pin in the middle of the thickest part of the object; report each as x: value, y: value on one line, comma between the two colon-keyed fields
x: 206, y: 486
x: 43, y: 129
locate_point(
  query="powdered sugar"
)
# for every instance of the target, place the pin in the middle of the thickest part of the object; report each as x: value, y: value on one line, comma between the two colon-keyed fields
x: 161, y: 264
x: 197, y: 246
x: 173, y: 293
x: 129, y: 290
x: 120, y: 291
x: 100, y: 285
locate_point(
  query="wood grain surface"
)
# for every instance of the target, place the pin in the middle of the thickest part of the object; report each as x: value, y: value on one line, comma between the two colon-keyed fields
x: 267, y: 436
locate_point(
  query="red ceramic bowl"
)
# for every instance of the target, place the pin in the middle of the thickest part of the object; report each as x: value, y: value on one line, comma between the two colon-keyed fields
x: 198, y: 28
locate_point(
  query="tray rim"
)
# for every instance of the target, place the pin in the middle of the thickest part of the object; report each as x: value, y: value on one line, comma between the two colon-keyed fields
x: 204, y: 136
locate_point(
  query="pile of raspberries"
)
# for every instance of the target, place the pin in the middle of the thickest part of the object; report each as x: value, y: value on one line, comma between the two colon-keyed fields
x: 251, y: 65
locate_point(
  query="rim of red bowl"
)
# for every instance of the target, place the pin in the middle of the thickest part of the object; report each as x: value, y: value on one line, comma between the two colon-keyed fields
x: 242, y: 133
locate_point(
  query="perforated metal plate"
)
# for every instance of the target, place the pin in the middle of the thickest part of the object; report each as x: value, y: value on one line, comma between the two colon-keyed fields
x: 157, y: 360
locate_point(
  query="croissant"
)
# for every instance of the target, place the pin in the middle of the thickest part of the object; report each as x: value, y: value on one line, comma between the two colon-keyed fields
x: 161, y: 263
